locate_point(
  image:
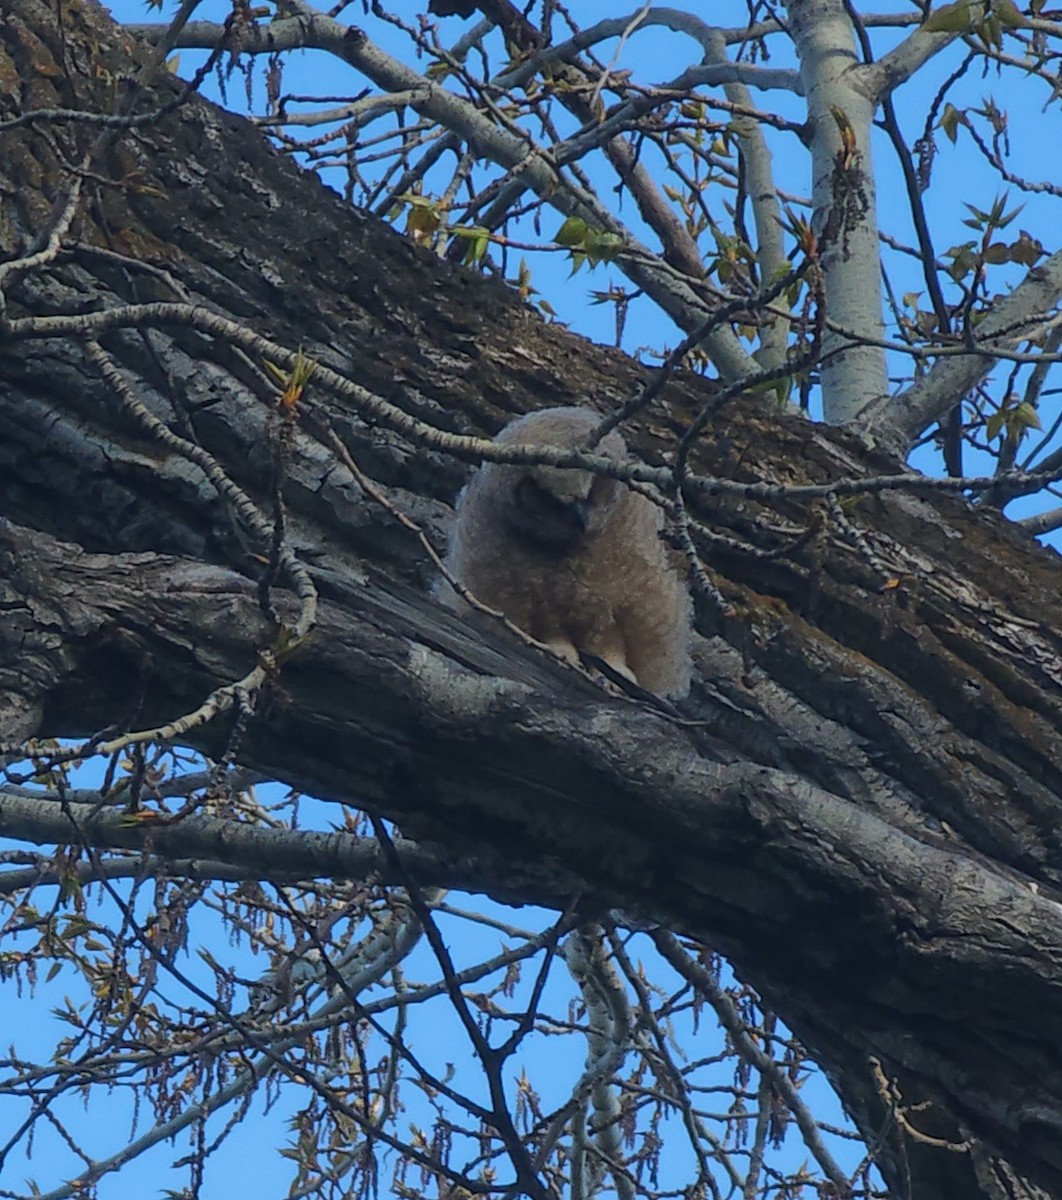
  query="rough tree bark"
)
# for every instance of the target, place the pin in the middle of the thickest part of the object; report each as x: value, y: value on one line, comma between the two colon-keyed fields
x: 865, y: 817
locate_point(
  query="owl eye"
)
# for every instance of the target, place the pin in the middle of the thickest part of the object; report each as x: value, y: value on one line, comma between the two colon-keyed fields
x: 536, y: 499
x: 547, y: 517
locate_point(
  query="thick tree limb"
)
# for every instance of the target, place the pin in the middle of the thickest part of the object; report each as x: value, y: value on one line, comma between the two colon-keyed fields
x: 622, y: 802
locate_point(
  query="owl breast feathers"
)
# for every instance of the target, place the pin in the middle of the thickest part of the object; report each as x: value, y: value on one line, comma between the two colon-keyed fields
x: 574, y: 559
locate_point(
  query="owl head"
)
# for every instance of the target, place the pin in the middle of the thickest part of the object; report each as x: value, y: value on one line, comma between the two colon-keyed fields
x: 553, y: 507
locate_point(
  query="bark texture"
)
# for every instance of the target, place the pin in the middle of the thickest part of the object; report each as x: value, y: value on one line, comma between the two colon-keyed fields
x: 865, y: 816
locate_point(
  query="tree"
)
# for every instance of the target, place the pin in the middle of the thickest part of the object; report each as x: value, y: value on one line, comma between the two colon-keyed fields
x: 234, y: 414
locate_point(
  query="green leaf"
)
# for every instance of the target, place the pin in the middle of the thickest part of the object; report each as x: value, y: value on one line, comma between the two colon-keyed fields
x: 1026, y: 416
x: 571, y: 233
x: 1006, y: 12
x: 780, y: 386
x: 952, y: 18
x: 963, y: 260
x: 950, y: 121
x: 476, y: 249
x: 1027, y: 250
x: 477, y: 240
x: 602, y: 246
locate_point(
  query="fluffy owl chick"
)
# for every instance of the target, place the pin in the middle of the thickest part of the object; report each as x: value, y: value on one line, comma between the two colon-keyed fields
x: 574, y: 559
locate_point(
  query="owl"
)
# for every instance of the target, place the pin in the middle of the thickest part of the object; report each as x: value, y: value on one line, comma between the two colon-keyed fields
x: 574, y: 559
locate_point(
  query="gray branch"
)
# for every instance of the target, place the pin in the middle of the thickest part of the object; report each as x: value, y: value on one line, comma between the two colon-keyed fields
x: 1011, y: 319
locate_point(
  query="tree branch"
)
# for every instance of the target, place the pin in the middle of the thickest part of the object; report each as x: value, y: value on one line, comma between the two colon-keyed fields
x: 880, y: 79
x: 735, y: 853
x: 843, y: 193
x: 902, y: 418
x: 666, y: 285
